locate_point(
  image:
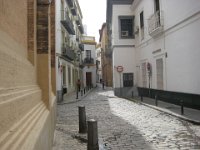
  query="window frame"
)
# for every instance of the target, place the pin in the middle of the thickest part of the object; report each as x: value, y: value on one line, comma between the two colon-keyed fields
x: 130, y: 81
x: 120, y: 27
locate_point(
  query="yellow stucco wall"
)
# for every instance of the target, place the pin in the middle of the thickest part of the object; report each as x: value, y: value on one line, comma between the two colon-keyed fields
x: 27, y: 119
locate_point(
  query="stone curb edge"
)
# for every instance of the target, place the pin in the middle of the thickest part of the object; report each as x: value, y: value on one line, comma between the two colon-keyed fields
x: 77, y: 100
x: 195, y: 122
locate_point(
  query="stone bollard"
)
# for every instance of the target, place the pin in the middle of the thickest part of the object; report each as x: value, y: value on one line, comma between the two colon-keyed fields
x: 156, y: 100
x: 92, y: 135
x: 182, y: 107
x: 82, y: 119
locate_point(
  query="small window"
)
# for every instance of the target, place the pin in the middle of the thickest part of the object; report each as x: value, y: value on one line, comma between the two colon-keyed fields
x: 128, y: 79
x: 126, y: 26
x: 141, y: 20
x: 142, y: 25
x: 88, y: 54
x: 144, y: 75
x: 69, y: 75
x: 157, y: 5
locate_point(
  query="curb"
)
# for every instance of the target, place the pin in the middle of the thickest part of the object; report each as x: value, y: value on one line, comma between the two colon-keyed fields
x: 195, y: 122
x: 76, y: 100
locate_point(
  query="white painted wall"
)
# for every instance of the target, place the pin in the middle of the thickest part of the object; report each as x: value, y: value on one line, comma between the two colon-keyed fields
x: 91, y: 69
x: 123, y: 57
x: 123, y: 49
x: 120, y: 10
x: 93, y: 51
x: 58, y: 42
x: 180, y: 41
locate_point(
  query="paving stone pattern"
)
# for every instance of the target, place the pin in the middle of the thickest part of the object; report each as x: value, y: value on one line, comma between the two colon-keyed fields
x: 123, y: 125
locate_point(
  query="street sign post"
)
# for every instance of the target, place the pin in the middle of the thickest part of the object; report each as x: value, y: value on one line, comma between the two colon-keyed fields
x: 120, y: 70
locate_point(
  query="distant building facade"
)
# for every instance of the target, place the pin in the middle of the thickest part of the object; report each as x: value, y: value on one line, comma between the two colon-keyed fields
x: 89, y: 61
x: 106, y: 57
x: 69, y: 31
x: 156, y: 43
x: 98, y: 63
x: 27, y: 76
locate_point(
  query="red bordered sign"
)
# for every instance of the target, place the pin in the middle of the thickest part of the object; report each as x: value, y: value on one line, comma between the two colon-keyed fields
x: 119, y: 68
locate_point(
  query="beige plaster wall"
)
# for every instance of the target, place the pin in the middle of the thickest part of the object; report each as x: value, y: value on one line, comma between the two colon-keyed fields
x: 13, y: 16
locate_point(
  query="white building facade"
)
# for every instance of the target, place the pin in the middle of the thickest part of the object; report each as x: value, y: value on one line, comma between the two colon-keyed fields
x: 69, y: 30
x: 162, y: 52
x: 99, y: 63
x: 89, y: 61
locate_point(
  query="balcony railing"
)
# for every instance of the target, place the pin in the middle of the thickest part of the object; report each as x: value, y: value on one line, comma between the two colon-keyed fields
x: 68, y: 53
x: 67, y: 23
x: 155, y: 23
x: 81, y: 46
x: 88, y: 61
x: 79, y: 24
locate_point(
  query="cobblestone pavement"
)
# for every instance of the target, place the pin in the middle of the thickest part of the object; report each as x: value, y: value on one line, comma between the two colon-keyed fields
x: 123, y: 125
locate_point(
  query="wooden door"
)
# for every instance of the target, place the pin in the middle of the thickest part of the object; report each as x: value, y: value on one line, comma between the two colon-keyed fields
x: 88, y: 78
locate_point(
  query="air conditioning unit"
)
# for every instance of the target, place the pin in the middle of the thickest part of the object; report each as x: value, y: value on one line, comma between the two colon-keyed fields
x: 124, y: 33
x: 136, y: 29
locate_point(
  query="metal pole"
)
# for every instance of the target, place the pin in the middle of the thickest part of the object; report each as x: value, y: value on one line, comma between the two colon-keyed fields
x: 92, y: 135
x: 77, y: 93
x: 141, y: 96
x: 149, y: 85
x: 156, y: 100
x: 120, y: 84
x: 182, y: 107
x: 82, y: 119
x: 132, y: 94
x: 81, y: 92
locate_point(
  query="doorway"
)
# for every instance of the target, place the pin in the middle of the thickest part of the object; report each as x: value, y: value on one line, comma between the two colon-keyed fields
x: 88, y: 78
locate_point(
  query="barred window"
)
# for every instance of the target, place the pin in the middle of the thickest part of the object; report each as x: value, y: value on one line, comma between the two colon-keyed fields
x: 126, y: 26
x: 128, y: 79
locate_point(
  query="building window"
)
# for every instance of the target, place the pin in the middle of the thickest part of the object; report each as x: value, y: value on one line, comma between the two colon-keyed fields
x: 126, y: 26
x: 64, y: 75
x: 69, y: 75
x: 128, y: 79
x: 159, y: 72
x: 88, y: 54
x: 142, y: 25
x: 157, y: 5
x: 144, y: 75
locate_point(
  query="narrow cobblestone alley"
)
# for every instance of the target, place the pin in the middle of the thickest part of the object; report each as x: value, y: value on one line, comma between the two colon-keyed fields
x: 123, y: 125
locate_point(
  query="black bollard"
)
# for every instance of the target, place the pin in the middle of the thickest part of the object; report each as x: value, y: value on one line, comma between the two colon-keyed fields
x: 156, y: 100
x: 141, y: 97
x: 182, y: 108
x: 81, y: 92
x: 84, y: 91
x: 82, y: 119
x: 77, y: 94
x: 92, y: 135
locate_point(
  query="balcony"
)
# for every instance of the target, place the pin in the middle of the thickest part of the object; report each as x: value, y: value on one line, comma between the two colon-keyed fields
x: 70, y: 3
x: 80, y: 27
x: 68, y: 53
x: 67, y: 23
x: 74, y: 10
x: 81, y: 64
x: 81, y: 46
x: 88, y: 61
x: 79, y: 24
x: 155, y: 24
